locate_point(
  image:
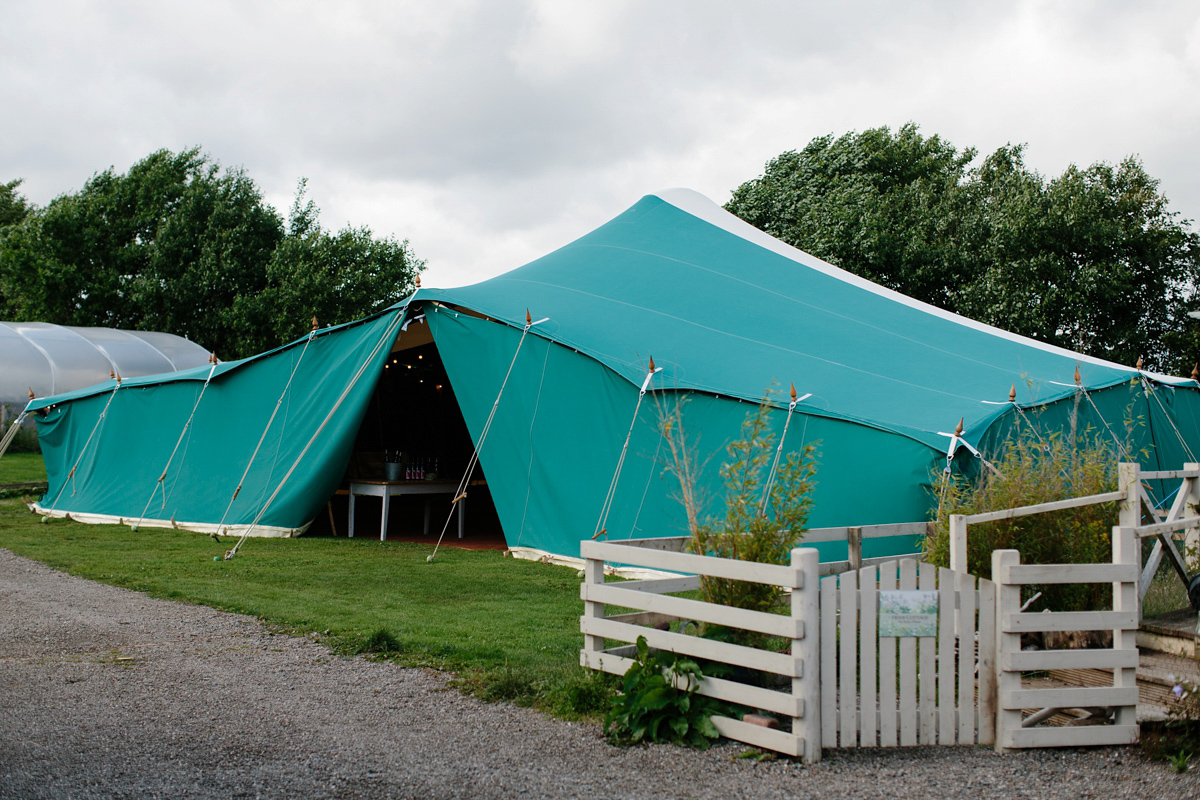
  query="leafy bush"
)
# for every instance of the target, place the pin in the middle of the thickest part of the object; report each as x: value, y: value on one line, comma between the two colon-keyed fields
x: 1036, y: 467
x: 765, y: 515
x: 652, y: 709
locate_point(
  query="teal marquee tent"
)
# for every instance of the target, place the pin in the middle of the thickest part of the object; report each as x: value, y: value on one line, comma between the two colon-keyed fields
x: 726, y: 312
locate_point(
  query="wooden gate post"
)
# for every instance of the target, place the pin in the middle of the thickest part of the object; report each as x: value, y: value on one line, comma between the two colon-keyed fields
x: 1129, y: 481
x: 958, y: 543
x: 593, y: 573
x: 1129, y: 515
x: 1126, y: 549
x: 1191, y: 540
x: 807, y: 650
x: 1008, y: 603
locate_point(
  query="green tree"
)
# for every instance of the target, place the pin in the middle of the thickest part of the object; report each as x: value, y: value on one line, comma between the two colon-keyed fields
x: 1093, y: 260
x: 333, y: 276
x: 13, y: 207
x: 178, y: 245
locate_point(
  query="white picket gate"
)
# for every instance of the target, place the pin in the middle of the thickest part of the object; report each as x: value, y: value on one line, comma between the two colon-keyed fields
x: 901, y: 691
x: 1121, y: 697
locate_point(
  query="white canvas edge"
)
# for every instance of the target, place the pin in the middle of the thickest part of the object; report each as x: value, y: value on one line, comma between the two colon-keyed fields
x: 264, y: 531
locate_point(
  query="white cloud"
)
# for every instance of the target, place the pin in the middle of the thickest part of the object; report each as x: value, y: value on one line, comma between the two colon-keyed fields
x: 490, y: 133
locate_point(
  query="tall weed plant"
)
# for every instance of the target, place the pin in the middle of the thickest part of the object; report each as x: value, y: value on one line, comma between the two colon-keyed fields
x: 1036, y: 466
x: 763, y: 518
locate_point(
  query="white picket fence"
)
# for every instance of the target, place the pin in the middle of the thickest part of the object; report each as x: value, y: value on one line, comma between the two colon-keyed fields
x: 798, y: 669
x: 843, y: 685
x: 889, y: 691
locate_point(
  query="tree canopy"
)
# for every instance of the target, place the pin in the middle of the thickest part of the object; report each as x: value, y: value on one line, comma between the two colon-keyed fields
x: 13, y: 207
x: 178, y: 245
x: 1092, y: 260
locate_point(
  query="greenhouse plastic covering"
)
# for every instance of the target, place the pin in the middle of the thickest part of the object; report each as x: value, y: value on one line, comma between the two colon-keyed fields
x: 52, y: 359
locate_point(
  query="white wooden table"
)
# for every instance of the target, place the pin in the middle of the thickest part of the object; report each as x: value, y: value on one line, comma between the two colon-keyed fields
x: 385, y: 490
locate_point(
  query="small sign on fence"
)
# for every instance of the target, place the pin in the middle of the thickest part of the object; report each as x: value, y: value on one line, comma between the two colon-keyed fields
x: 908, y: 612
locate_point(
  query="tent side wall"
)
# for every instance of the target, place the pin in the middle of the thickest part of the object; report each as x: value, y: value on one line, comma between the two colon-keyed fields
x: 558, y: 431
x: 122, y: 442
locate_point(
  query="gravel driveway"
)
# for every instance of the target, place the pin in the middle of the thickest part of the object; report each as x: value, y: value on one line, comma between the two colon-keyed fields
x: 107, y: 693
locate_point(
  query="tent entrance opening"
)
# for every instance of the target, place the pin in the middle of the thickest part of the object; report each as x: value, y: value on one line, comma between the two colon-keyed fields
x: 413, y: 446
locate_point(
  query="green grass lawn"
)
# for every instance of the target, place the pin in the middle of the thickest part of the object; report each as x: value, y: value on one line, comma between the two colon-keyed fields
x: 22, y: 468
x: 509, y: 628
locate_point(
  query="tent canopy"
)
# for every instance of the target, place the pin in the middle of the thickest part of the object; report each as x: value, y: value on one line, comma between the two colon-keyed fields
x: 728, y: 314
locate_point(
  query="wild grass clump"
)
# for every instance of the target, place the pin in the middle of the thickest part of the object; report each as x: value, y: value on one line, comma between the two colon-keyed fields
x: 381, y: 643
x: 568, y: 692
x: 1037, y: 467
x: 766, y: 500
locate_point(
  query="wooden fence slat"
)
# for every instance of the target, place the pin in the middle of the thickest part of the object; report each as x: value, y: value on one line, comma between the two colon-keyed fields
x: 1041, y: 508
x: 1073, y: 737
x: 1168, y: 474
x: 888, y: 726
x: 1068, y: 621
x: 674, y: 544
x: 964, y: 585
x: 762, y: 622
x: 829, y: 614
x: 664, y: 585
x: 759, y: 736
x: 701, y: 565
x: 1157, y: 528
x: 926, y: 677
x: 813, y: 535
x: 986, y: 675
x: 838, y: 567
x: 1075, y: 573
x: 753, y: 658
x: 908, y: 668
x: 1037, y: 660
x: 720, y: 688
x: 848, y: 659
x: 869, y: 637
x: 947, y: 729
x: 1073, y: 697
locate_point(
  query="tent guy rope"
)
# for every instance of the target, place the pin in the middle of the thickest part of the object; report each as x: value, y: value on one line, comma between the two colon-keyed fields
x: 387, y: 338
x: 159, y: 484
x: 762, y: 507
x: 461, y: 493
x: 602, y: 522
x: 287, y: 386
x: 83, y: 450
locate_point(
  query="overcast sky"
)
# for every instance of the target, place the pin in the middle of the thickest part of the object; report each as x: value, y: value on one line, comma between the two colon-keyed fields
x: 489, y: 133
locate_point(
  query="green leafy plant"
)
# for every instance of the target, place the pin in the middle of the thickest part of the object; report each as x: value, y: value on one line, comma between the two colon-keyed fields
x: 766, y: 501
x: 1177, y: 738
x: 1037, y: 467
x: 652, y: 707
